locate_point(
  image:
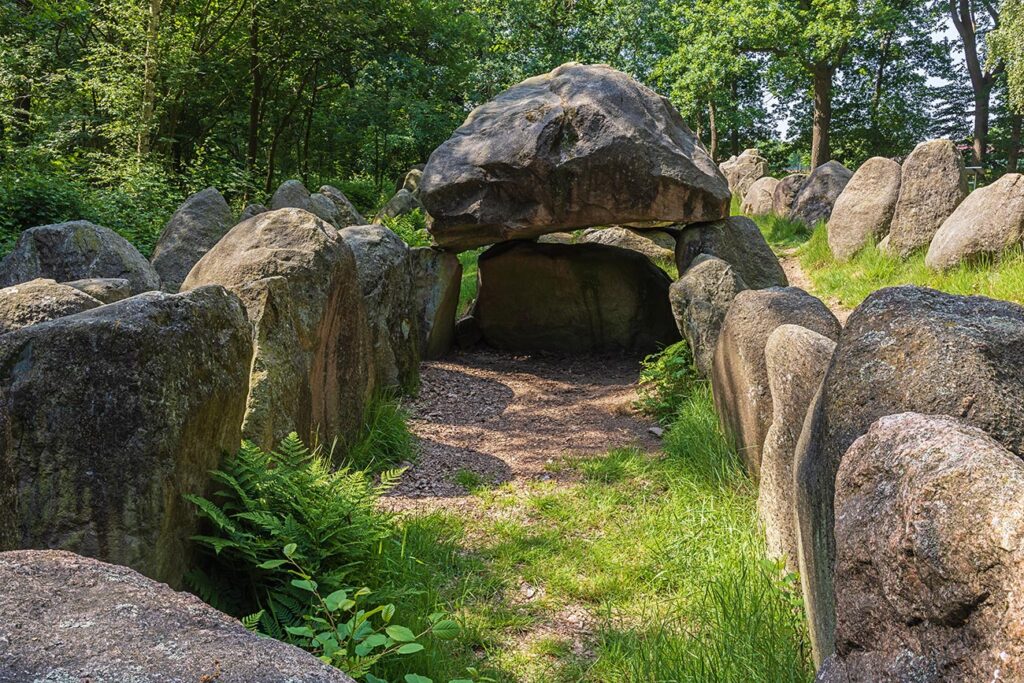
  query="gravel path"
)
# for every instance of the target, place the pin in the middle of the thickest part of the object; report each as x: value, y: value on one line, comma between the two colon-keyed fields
x: 506, y: 418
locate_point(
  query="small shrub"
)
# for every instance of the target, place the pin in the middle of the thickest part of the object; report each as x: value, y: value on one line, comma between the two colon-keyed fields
x: 384, y: 440
x: 411, y: 227
x: 364, y: 193
x: 667, y: 379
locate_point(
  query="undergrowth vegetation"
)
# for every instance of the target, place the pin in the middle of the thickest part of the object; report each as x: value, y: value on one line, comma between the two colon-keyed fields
x: 384, y: 440
x: 667, y: 378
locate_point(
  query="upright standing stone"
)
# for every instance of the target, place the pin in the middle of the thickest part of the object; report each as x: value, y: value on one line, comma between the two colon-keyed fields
x: 903, y: 349
x: 932, y: 185
x: 437, y: 281
x: 73, y: 251
x: 863, y: 212
x: 758, y: 200
x: 987, y: 223
x: 785, y: 193
x: 700, y: 299
x: 737, y: 241
x: 743, y: 171
x: 572, y: 298
x: 194, y: 228
x: 310, y: 338
x: 818, y: 194
x: 929, y: 556
x: 580, y: 146
x: 108, y: 417
x: 739, y: 372
x: 348, y: 214
x: 796, y: 359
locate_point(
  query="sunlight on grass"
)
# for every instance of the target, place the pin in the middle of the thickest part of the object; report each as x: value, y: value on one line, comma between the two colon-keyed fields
x: 467, y: 292
x: 663, y: 552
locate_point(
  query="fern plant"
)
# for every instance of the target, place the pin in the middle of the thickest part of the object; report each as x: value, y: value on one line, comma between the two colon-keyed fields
x: 667, y: 379
x: 270, y: 500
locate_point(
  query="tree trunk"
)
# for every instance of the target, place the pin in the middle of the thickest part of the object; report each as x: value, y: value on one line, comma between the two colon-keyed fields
x: 980, y: 124
x: 734, y: 133
x: 1013, y: 157
x: 256, y: 98
x: 821, y: 151
x: 962, y: 15
x: 149, y: 77
x: 714, y: 131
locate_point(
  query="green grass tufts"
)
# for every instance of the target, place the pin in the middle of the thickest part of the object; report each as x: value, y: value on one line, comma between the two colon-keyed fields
x: 384, y: 440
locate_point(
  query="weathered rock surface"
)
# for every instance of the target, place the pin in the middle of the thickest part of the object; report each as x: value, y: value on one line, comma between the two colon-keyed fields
x: 108, y: 417
x: 932, y: 185
x: 411, y: 181
x: 572, y: 298
x: 583, y: 145
x: 557, y: 238
x: 700, y: 299
x: 759, y: 199
x: 786, y: 192
x: 903, y: 349
x: 436, y: 284
x: 194, y: 228
x: 863, y: 212
x: 743, y: 171
x: 739, y: 372
x: 292, y: 194
x: 738, y: 242
x: 73, y: 251
x: 71, y: 618
x: 818, y: 194
x: 657, y: 245
x: 930, y: 555
x: 347, y: 213
x: 252, y: 210
x: 40, y: 300
x: 796, y: 359
x: 310, y: 338
x: 404, y: 202
x: 385, y: 271
x: 107, y: 290
x: 988, y: 222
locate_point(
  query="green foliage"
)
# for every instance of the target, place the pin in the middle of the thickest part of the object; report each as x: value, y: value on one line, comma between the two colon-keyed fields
x: 782, y: 233
x: 1007, y: 44
x: 470, y: 274
x: 667, y: 379
x: 411, y: 227
x: 384, y: 440
x: 287, y: 497
x: 365, y: 193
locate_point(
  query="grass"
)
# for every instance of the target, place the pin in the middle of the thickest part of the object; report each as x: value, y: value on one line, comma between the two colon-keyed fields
x: 467, y: 293
x: 658, y: 556
x: 852, y: 281
x: 384, y: 440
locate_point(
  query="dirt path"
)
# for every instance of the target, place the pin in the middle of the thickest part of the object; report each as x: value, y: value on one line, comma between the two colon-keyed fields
x: 496, y: 417
x: 798, y: 278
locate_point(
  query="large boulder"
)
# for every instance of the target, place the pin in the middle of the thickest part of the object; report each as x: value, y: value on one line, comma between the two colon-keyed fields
x: 863, y: 212
x: 194, y: 228
x: 657, y: 245
x: 737, y: 241
x: 71, y: 618
x: 437, y: 281
x: 104, y: 289
x: 291, y: 194
x: 580, y: 146
x: 572, y: 298
x: 818, y: 194
x: 404, y: 202
x: 903, y: 349
x: 785, y: 193
x: 310, y: 340
x: 796, y: 359
x: 700, y: 299
x: 108, y: 417
x: 347, y: 213
x: 929, y: 557
x: 759, y: 200
x: 989, y: 221
x: 739, y: 372
x: 73, y: 251
x: 385, y: 269
x: 932, y: 185
x: 40, y: 300
x: 743, y: 171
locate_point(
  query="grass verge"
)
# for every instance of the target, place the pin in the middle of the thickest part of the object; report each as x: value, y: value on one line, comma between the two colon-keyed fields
x: 635, y: 567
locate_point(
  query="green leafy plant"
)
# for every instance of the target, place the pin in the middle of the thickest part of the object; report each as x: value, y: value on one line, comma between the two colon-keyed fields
x: 667, y: 378
x: 411, y: 227
x: 287, y: 497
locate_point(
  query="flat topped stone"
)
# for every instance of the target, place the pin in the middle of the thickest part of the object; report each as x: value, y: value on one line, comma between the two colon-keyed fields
x: 580, y: 146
